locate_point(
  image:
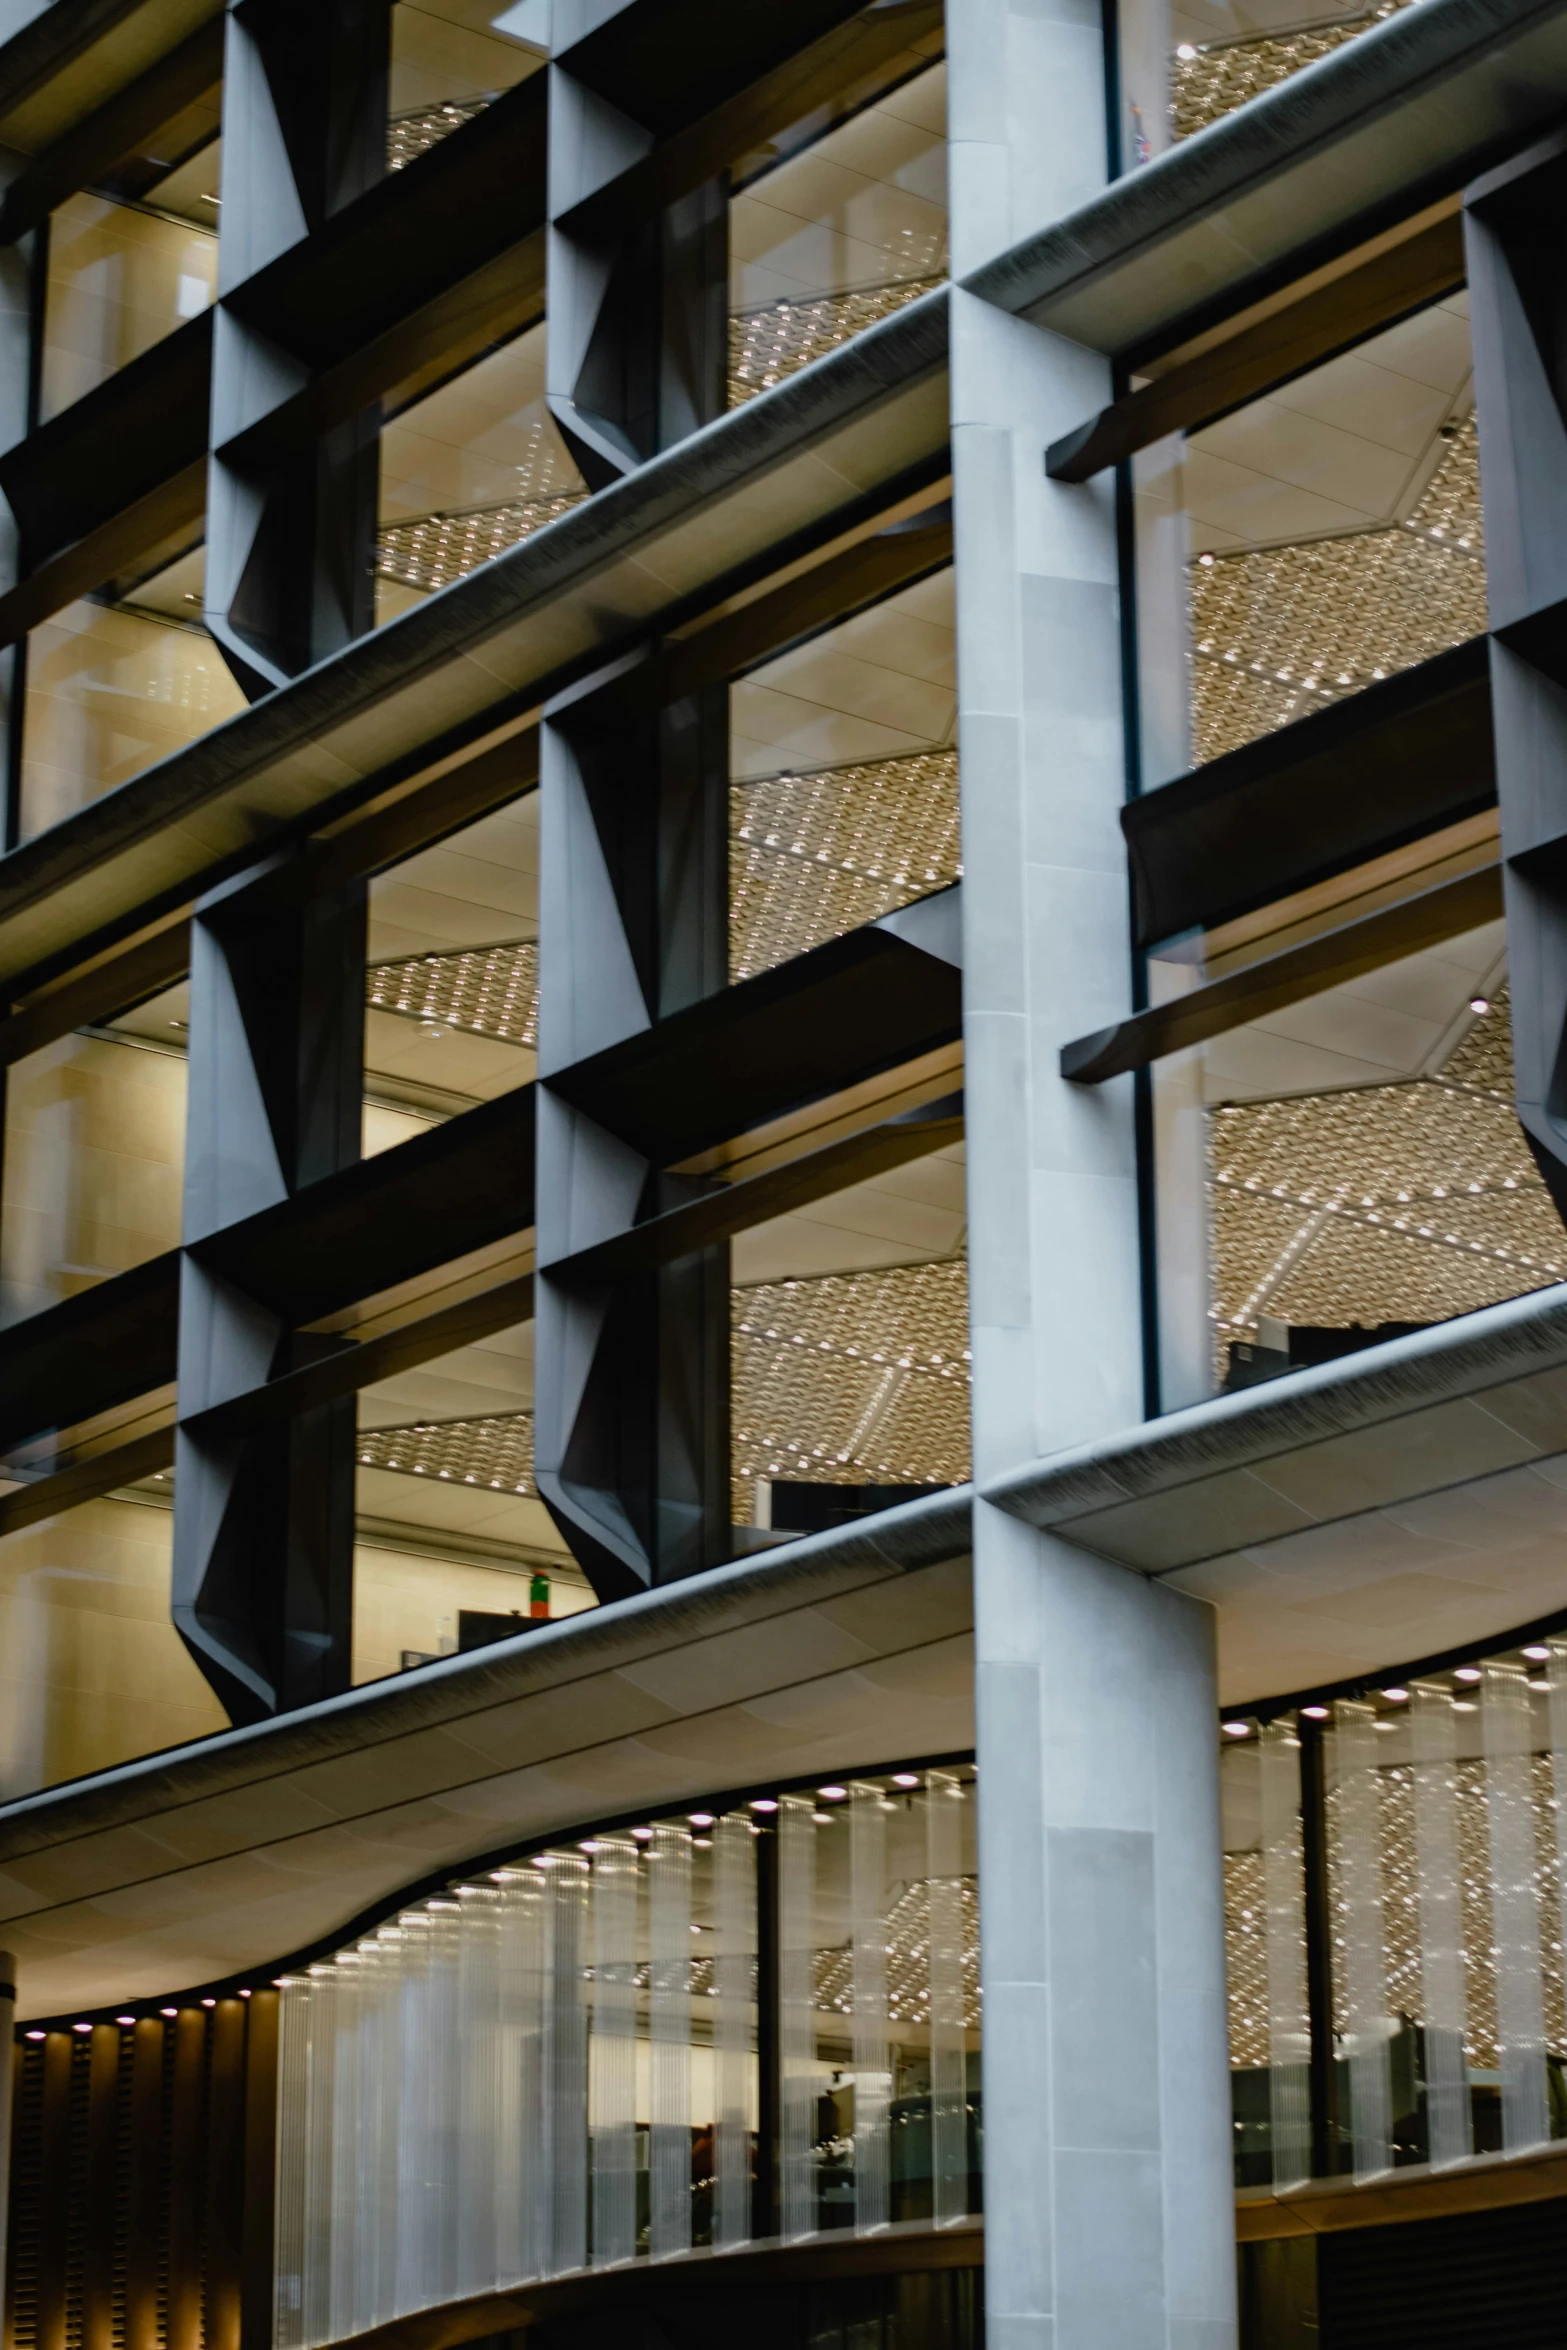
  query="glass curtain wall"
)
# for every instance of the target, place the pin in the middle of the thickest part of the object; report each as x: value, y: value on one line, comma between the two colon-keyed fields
x: 1315, y: 541
x: 1348, y: 1167
x: 560, y: 2065
x: 1187, y: 63
x: 1411, y: 1834
x: 1345, y: 1171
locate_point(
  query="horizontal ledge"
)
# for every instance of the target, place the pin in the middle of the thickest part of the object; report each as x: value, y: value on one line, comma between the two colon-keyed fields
x: 903, y: 1540
x: 1403, y: 115
x: 1301, y: 971
x: 1323, y: 2207
x: 1191, y: 1448
x: 733, y: 1208
x: 1401, y: 758
x: 904, y: 2247
x: 1363, y: 301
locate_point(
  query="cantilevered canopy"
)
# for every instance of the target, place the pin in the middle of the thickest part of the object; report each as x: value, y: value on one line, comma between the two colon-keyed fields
x: 840, y: 1651
x: 1345, y: 1520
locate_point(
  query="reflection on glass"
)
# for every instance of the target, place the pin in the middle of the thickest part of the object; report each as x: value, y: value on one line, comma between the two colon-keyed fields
x: 839, y: 233
x: 796, y: 2015
x: 1289, y: 2030
x: 612, y: 2075
x: 1308, y: 545
x: 120, y: 279
x: 110, y: 691
x: 670, y: 2155
x: 733, y: 1992
x: 94, y: 1166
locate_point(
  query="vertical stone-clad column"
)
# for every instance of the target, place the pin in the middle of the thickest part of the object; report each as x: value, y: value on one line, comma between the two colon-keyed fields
x: 1109, y: 2202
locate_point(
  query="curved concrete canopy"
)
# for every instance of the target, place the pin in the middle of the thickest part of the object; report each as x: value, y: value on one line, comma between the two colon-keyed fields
x: 1382, y: 1509
x: 837, y: 1652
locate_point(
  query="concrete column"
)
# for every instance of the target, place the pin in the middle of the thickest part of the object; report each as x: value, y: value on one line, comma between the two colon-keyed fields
x: 1109, y: 2203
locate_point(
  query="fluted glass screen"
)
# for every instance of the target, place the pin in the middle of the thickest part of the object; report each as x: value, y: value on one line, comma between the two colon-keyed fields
x: 748, y: 2022
x: 1403, y: 1848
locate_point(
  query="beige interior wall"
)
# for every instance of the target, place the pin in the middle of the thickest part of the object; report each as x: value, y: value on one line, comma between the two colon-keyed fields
x: 108, y: 693
x: 94, y: 1163
x: 92, y: 1671
x: 119, y: 281
x: 402, y: 1601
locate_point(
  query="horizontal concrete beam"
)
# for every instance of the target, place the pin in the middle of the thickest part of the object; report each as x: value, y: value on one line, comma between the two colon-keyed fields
x: 835, y: 1652
x: 1396, y: 118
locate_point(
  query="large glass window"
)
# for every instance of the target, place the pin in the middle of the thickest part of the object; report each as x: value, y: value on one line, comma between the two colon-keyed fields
x: 94, y: 1157
x: 94, y: 1672
x: 122, y: 276
x: 114, y: 687
x: 1315, y: 541
x: 1343, y: 1171
x: 563, y: 2057
x: 1186, y: 63
x: 827, y: 236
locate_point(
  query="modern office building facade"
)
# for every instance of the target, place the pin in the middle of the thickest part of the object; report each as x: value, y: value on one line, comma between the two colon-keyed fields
x: 783, y: 1375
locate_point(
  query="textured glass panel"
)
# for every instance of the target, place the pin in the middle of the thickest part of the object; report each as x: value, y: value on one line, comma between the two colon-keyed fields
x: 1435, y: 1749
x: 948, y: 2057
x: 797, y: 2011
x: 566, y: 2062
x: 293, y: 2074
x: 734, y: 2026
x: 1358, y: 1943
x: 342, y: 2301
x: 612, y: 2077
x: 669, y: 2029
x: 522, y: 2163
x: 376, y: 2275
x: 416, y: 2219
x: 868, y: 1808
x: 443, y: 2088
x: 318, y: 2156
x: 1556, y: 1678
x: 478, y: 2007
x: 1289, y: 2029
x: 1515, y: 1898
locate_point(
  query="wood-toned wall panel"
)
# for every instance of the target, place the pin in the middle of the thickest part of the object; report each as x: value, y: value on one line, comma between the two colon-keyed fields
x: 141, y: 2204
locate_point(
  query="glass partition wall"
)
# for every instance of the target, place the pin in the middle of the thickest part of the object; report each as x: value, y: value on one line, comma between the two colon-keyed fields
x: 743, y: 2022
x: 1393, y: 1895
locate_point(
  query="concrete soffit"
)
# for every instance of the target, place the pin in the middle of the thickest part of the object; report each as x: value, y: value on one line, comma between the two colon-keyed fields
x: 1405, y: 113
x: 1380, y: 1509
x: 837, y: 1651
